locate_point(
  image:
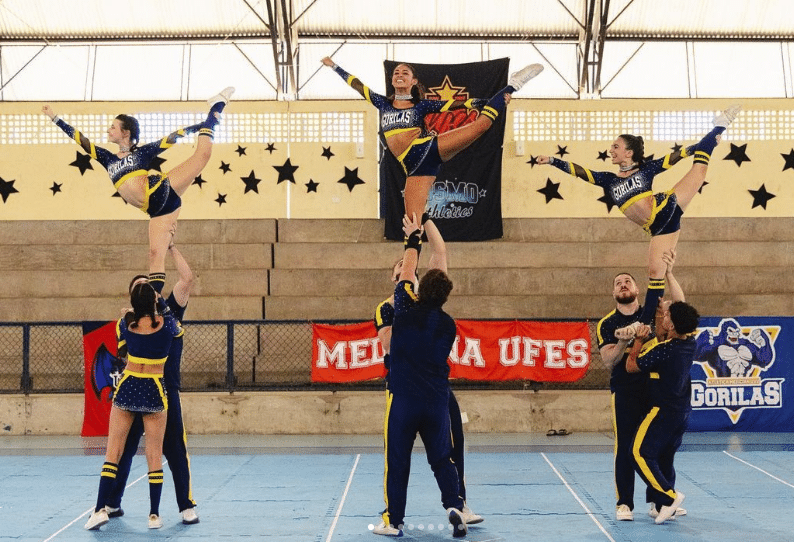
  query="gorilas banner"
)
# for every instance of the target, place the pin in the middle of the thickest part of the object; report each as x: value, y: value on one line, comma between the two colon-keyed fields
x: 465, y: 202
x: 102, y: 373
x: 483, y: 350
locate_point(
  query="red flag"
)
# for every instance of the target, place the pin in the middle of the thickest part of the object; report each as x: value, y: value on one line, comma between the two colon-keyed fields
x: 102, y: 372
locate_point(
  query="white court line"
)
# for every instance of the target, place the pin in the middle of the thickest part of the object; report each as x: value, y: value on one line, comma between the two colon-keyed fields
x: 758, y: 468
x: 575, y: 496
x: 78, y: 518
x: 342, y: 502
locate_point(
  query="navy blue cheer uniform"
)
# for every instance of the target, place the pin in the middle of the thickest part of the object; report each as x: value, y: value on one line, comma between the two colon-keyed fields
x: 421, y: 157
x: 159, y: 198
x: 629, y: 405
x: 659, y: 436
x: 144, y: 392
x: 418, y: 401
x: 625, y: 191
x: 175, y: 439
x: 384, y: 317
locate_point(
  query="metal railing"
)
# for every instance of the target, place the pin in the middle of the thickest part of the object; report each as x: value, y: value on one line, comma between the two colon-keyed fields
x: 48, y: 357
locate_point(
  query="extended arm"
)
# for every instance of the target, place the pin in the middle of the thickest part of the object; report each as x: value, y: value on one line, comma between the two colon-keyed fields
x: 186, y: 279
x: 599, y: 178
x: 438, y: 258
x: 612, y: 353
x: 97, y: 153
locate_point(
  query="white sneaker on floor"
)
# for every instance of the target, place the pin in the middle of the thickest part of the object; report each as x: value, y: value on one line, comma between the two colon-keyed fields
x: 97, y: 520
x: 652, y: 512
x: 189, y: 516
x: 154, y: 521
x: 624, y: 513
x: 459, y: 528
x: 725, y: 118
x: 386, y: 530
x: 667, y: 512
x: 520, y: 78
x: 223, y: 96
x: 470, y: 517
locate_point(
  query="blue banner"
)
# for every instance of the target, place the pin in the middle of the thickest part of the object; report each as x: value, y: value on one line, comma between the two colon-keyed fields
x: 742, y: 375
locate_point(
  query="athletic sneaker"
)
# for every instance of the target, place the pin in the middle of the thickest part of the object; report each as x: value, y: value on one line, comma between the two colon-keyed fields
x: 667, y: 512
x: 114, y: 512
x: 520, y: 78
x: 470, y: 517
x: 223, y: 96
x: 154, y: 521
x: 624, y: 513
x: 189, y: 516
x: 728, y: 116
x: 387, y: 530
x: 459, y: 529
x: 97, y: 519
x: 652, y: 512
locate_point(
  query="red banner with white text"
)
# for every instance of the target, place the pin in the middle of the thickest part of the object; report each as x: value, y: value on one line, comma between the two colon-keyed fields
x: 483, y: 350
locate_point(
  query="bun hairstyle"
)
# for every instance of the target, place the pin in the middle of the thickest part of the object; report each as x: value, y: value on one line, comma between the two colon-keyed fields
x: 418, y: 91
x: 143, y: 299
x: 131, y: 125
x: 636, y: 145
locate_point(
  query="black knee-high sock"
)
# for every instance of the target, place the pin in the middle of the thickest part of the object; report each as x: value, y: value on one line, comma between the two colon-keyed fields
x: 106, y: 481
x: 705, y: 146
x: 155, y: 490
x: 212, y: 121
x: 157, y: 280
x: 652, y: 296
x: 497, y: 103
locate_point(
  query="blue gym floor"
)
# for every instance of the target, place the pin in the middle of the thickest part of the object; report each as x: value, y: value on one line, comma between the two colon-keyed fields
x: 739, y: 487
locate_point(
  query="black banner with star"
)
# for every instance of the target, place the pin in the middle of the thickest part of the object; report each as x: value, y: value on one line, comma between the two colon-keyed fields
x: 465, y: 202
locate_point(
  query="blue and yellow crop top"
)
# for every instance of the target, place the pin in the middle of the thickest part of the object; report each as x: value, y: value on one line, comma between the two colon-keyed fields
x: 133, y: 165
x: 151, y: 349
x: 624, y: 191
x: 394, y: 120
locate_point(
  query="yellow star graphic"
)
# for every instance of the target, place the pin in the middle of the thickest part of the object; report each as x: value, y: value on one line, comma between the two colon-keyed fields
x: 447, y: 91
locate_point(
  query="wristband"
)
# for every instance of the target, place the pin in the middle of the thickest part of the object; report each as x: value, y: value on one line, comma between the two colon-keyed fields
x: 414, y: 241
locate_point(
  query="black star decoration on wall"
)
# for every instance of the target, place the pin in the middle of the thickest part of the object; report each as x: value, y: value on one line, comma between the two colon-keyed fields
x: 327, y: 154
x: 225, y: 167
x: 56, y: 188
x: 738, y: 154
x: 533, y: 161
x: 702, y: 186
x: 240, y: 150
x: 351, y: 178
x: 7, y: 188
x: 551, y: 191
x: 286, y: 172
x: 648, y: 158
x: 676, y: 147
x: 82, y: 162
x: 156, y: 162
x: 117, y: 195
x: 603, y: 156
x: 199, y: 181
x: 606, y: 200
x: 562, y: 151
x: 789, y: 158
x: 251, y: 183
x: 760, y: 197
x: 311, y: 186
x: 270, y: 148
x: 221, y: 199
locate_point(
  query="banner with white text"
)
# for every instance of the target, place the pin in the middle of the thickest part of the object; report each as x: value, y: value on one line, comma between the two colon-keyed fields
x: 483, y: 350
x: 742, y: 373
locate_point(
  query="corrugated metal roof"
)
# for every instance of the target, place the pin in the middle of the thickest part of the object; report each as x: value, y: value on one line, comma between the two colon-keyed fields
x: 56, y: 20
